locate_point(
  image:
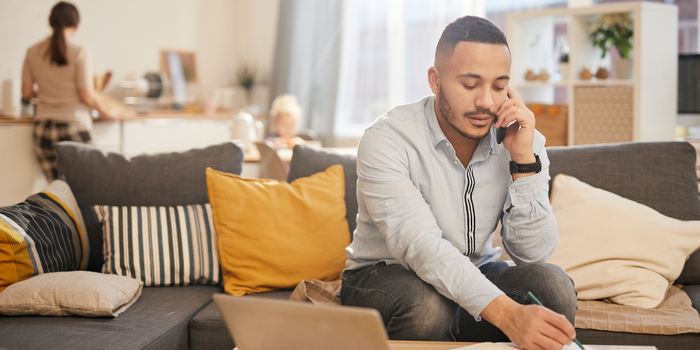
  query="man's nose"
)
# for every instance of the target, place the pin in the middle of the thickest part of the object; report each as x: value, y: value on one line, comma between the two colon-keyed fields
x: 484, y: 100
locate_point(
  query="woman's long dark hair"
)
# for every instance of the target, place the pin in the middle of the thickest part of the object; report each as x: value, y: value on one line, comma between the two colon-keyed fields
x: 63, y: 15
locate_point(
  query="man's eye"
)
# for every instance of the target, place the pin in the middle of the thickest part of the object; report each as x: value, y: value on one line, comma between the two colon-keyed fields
x: 469, y: 87
x: 498, y: 88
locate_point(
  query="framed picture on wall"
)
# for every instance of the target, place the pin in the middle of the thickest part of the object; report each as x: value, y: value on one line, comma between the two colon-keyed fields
x: 181, y: 68
x: 180, y: 60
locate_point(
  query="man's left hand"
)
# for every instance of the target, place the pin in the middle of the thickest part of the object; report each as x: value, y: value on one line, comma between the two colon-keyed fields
x: 521, y: 132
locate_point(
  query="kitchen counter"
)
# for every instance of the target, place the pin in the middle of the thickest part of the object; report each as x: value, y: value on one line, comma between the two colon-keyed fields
x: 166, y: 114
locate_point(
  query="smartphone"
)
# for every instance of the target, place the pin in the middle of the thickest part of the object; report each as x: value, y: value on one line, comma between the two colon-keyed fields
x: 500, y: 133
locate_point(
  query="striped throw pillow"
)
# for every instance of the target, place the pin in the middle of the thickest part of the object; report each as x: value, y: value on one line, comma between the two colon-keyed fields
x: 45, y: 233
x: 161, y: 246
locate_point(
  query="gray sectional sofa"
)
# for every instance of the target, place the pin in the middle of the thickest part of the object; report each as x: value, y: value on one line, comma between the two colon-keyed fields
x: 660, y: 175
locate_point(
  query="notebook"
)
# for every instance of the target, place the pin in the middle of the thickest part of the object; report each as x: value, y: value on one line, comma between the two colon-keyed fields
x: 271, y: 324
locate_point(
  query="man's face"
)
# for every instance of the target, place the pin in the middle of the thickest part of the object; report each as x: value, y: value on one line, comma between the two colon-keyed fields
x: 471, y: 85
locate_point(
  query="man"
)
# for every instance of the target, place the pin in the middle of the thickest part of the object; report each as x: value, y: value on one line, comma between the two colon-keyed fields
x: 433, y: 182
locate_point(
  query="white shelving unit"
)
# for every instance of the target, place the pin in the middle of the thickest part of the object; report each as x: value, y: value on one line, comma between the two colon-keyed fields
x: 654, y: 54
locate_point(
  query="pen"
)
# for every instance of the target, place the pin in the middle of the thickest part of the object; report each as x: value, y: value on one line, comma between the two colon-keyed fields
x: 532, y: 296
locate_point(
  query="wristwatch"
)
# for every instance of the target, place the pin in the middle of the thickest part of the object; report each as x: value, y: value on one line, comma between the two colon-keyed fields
x: 535, y: 167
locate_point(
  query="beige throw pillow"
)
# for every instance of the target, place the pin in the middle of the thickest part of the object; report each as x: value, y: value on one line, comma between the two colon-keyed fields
x: 617, y: 249
x: 74, y: 293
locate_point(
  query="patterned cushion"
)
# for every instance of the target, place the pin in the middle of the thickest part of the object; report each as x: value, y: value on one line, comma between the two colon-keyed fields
x: 45, y: 233
x: 161, y: 246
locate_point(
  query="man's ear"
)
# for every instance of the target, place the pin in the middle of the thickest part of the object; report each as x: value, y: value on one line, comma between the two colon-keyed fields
x: 434, y: 79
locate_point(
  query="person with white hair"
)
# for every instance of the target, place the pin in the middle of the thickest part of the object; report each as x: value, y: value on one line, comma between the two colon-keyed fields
x: 285, y: 115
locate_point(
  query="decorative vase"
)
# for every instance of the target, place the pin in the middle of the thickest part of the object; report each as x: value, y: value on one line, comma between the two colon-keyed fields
x: 585, y: 74
x: 543, y: 76
x: 564, y: 70
x: 530, y: 75
x: 624, y: 68
x: 602, y: 73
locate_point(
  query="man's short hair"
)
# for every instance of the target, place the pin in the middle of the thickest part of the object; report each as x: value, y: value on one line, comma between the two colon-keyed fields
x: 470, y: 29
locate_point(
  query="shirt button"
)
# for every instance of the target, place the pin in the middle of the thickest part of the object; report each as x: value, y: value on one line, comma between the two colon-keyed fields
x: 512, y: 190
x: 386, y: 205
x: 455, y: 162
x: 509, y: 221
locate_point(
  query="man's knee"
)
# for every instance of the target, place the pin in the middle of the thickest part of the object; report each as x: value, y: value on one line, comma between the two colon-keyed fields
x: 411, y: 308
x: 554, y: 288
x: 424, y: 314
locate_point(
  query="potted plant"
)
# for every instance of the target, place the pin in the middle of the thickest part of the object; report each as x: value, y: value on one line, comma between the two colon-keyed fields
x: 246, y: 79
x: 564, y: 66
x: 615, y: 29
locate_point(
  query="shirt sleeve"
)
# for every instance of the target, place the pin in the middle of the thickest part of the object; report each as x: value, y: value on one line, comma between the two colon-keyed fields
x: 83, y: 69
x: 406, y: 222
x: 530, y: 231
x: 27, y: 75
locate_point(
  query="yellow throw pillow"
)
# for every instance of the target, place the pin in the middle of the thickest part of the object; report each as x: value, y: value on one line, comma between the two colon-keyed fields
x: 617, y: 249
x: 273, y: 234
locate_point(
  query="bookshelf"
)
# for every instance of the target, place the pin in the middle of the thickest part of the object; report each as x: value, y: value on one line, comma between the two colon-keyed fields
x: 647, y: 102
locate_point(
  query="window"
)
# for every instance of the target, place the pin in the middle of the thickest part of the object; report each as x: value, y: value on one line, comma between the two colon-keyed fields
x: 387, y: 48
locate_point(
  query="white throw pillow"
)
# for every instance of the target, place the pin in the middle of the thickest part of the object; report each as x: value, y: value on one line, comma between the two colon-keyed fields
x: 617, y: 249
x: 74, y: 293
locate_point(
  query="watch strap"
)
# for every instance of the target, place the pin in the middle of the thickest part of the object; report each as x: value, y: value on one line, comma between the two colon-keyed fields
x: 535, y: 167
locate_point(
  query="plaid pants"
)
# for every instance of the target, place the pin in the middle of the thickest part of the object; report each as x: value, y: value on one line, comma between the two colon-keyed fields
x: 47, y: 133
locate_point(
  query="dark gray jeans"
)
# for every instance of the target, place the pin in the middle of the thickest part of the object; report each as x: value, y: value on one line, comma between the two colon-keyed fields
x: 413, y: 310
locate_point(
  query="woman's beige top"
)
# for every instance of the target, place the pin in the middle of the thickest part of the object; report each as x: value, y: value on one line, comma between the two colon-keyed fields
x: 58, y: 97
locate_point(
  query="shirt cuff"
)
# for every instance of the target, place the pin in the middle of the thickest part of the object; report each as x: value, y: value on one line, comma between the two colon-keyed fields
x: 528, y: 189
x: 475, y: 305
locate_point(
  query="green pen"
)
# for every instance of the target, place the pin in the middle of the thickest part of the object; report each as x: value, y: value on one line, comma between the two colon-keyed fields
x: 540, y: 304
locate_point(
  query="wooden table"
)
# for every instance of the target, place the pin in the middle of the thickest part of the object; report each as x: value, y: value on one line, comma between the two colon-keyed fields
x: 422, y: 345
x: 425, y: 345
x: 440, y: 345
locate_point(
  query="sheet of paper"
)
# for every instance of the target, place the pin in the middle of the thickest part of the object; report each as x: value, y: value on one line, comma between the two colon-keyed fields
x: 511, y: 346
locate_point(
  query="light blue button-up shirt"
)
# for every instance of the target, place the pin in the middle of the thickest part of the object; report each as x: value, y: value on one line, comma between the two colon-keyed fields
x: 419, y: 207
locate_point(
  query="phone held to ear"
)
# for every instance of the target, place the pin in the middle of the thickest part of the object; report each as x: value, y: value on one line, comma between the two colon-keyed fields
x: 500, y: 132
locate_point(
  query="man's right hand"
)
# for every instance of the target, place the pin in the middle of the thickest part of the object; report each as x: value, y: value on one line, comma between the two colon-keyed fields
x: 529, y: 326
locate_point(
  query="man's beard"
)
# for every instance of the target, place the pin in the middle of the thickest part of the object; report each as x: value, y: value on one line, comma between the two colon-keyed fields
x: 446, y: 111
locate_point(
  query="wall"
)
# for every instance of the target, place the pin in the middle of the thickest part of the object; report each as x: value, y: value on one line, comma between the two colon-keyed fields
x: 125, y: 36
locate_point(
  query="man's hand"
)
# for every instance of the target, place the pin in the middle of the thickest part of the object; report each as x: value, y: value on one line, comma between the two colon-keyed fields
x: 529, y: 326
x: 519, y: 136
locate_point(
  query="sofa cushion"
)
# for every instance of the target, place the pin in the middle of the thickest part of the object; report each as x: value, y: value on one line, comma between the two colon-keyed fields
x: 273, y: 234
x: 605, y: 242
x: 167, y: 246
x: 660, y: 175
x: 675, y: 315
x: 158, y: 320
x: 307, y: 160
x: 208, y: 330
x: 661, y: 342
x: 45, y: 233
x: 71, y: 293
x: 693, y: 291
x: 167, y: 179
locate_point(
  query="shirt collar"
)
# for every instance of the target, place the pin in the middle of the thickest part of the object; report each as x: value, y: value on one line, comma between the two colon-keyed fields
x: 487, y: 145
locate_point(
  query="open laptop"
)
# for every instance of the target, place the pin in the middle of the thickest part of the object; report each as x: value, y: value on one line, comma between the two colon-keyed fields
x: 271, y: 324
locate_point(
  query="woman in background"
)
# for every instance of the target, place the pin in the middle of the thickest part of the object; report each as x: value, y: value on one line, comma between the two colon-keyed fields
x: 62, y: 70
